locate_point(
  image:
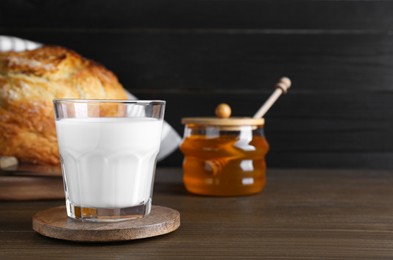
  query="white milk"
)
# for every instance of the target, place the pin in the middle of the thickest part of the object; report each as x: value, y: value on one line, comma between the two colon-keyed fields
x: 109, y: 162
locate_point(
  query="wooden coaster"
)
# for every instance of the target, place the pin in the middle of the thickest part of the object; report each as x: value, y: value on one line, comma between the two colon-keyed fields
x: 55, y: 223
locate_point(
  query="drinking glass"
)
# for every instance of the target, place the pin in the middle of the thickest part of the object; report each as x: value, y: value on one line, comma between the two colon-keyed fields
x: 108, y: 151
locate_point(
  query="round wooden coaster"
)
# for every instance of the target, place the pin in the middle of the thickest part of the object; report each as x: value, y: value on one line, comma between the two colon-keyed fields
x: 54, y: 223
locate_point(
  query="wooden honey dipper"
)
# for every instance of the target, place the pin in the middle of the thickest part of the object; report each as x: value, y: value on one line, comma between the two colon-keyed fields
x: 281, y: 86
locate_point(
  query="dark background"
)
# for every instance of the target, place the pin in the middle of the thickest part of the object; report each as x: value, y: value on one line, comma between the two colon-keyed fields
x: 196, y: 54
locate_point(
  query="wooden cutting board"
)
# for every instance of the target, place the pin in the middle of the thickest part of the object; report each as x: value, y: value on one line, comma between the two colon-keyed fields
x: 31, y: 182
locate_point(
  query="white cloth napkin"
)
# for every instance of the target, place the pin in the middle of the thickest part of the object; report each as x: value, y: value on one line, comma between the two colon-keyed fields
x: 8, y: 43
x: 170, y: 140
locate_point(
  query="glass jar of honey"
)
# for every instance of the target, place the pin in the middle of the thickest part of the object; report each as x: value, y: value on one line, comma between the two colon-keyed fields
x: 224, y: 156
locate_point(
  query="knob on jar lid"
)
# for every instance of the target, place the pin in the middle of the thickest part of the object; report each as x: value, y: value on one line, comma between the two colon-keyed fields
x: 223, y: 112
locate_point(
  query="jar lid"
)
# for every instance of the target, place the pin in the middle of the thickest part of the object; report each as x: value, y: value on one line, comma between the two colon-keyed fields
x: 223, y: 113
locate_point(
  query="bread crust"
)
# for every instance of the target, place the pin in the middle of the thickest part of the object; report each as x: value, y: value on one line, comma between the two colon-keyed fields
x: 29, y: 81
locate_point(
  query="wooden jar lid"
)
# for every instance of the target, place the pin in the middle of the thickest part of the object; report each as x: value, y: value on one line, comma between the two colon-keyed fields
x: 223, y: 113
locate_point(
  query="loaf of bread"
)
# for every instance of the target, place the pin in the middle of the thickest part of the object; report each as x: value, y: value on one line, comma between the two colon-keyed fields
x: 29, y: 81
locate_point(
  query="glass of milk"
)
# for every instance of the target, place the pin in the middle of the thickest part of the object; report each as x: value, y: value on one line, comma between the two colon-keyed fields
x: 108, y: 151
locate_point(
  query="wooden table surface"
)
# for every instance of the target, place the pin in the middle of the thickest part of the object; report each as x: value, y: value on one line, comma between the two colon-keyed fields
x: 301, y: 214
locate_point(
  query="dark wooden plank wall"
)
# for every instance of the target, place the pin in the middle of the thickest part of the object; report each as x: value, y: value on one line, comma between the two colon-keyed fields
x: 197, y: 53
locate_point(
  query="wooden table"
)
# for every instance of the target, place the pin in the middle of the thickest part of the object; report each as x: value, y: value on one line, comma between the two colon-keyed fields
x: 302, y: 214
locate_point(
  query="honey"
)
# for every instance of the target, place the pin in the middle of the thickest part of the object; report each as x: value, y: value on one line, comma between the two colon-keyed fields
x: 224, y: 160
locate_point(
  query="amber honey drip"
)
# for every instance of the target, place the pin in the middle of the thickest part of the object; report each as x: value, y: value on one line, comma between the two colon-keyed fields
x: 224, y: 166
x: 85, y: 212
x: 108, y: 214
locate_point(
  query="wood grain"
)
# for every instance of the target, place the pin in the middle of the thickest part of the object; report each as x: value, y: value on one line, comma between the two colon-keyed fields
x: 271, y: 14
x: 54, y: 223
x: 343, y: 121
x: 301, y: 214
x: 31, y: 188
x: 338, y: 54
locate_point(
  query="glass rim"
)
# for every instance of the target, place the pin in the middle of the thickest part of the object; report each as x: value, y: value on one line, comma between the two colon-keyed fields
x: 117, y: 101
